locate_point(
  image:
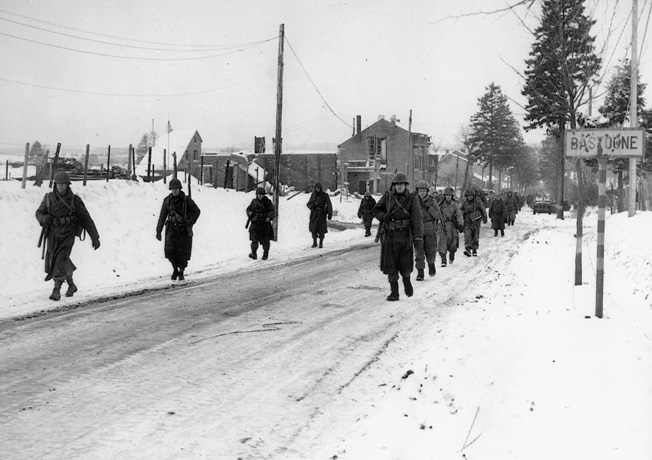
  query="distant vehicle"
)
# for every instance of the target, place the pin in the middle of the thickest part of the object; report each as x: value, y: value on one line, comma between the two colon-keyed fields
x: 542, y: 206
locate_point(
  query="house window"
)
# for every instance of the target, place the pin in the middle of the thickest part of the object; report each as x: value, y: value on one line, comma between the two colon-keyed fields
x: 194, y: 155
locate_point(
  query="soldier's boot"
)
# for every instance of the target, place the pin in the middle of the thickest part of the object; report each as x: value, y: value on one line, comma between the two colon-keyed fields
x: 420, y: 275
x: 432, y: 271
x: 367, y: 232
x: 321, y: 241
x: 56, y: 292
x: 181, y: 276
x: 496, y: 232
x: 443, y: 259
x: 409, y: 290
x: 451, y: 258
x: 314, y: 242
x: 502, y: 233
x: 394, y: 294
x: 265, y: 254
x: 175, y: 273
x: 467, y: 252
x: 72, y: 287
x: 475, y: 253
x: 254, y: 250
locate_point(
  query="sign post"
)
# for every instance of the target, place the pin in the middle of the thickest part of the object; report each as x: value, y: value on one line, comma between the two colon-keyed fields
x: 603, y: 144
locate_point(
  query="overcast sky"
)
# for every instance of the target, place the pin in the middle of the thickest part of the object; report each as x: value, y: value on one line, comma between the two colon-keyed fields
x: 111, y: 67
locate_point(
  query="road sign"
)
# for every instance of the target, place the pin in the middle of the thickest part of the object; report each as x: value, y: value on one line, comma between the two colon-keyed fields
x: 617, y: 143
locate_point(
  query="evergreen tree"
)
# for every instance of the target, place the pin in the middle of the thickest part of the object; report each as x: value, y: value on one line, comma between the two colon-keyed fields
x: 616, y: 106
x: 495, y: 133
x: 616, y: 112
x: 560, y: 69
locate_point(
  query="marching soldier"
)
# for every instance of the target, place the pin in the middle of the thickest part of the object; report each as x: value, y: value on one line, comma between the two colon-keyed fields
x: 178, y: 214
x: 401, y: 227
x: 431, y: 217
x: 320, y: 209
x: 365, y: 212
x: 63, y: 215
x: 451, y: 223
x: 473, y: 210
x: 261, y: 213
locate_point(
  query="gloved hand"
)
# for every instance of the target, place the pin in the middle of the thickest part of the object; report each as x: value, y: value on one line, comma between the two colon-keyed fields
x: 418, y: 244
x: 96, y: 244
x: 47, y: 220
x: 484, y: 220
x: 158, y: 236
x: 387, y: 217
x: 330, y: 217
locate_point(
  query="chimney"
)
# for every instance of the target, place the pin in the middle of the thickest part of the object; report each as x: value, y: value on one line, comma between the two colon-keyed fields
x: 358, y: 122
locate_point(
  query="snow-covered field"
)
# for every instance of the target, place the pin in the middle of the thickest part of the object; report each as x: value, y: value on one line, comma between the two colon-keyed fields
x: 526, y: 372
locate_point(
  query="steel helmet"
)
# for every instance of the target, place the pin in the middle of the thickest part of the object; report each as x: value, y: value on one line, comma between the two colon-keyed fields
x: 449, y: 191
x: 175, y: 183
x: 423, y: 184
x: 61, y: 177
x: 469, y: 192
x: 400, y: 178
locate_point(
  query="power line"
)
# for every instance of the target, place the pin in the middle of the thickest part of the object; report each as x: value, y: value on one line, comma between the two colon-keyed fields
x: 127, y: 46
x: 139, y: 58
x: 315, y: 86
x: 191, y: 93
x: 99, y: 33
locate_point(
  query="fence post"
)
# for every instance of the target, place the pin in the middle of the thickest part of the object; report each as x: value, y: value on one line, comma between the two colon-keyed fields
x: 88, y: 147
x: 25, y: 166
x: 108, y: 164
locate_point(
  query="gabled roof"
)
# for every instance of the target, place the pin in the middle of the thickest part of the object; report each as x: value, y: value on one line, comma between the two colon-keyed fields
x: 176, y: 141
x: 384, y: 125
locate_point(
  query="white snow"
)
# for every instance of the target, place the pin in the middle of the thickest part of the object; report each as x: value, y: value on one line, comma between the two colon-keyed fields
x: 525, y: 372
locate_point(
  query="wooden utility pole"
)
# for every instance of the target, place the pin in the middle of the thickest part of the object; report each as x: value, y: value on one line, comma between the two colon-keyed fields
x: 279, y: 140
x: 633, y: 99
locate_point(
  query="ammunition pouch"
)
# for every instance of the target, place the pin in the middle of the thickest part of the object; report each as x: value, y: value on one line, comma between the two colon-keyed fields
x: 402, y: 224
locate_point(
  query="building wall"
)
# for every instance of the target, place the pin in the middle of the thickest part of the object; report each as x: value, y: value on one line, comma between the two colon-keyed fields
x: 356, y: 149
x: 302, y: 170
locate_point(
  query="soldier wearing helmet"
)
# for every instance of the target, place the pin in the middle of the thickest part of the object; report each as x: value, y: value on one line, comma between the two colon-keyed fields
x: 261, y: 214
x: 511, y: 207
x: 431, y: 218
x: 451, y: 223
x: 179, y: 213
x: 63, y: 215
x: 401, y: 229
x: 473, y: 211
x: 365, y: 212
x: 321, y: 209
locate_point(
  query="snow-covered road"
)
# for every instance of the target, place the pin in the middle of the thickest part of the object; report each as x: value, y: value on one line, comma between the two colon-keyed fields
x: 306, y: 360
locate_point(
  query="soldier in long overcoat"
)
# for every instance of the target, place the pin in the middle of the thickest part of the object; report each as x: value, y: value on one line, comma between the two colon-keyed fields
x: 260, y: 213
x: 399, y: 212
x: 431, y: 216
x: 497, y: 213
x: 473, y: 211
x: 179, y: 213
x: 365, y: 212
x: 451, y: 223
x: 320, y: 209
x: 511, y: 206
x: 63, y: 215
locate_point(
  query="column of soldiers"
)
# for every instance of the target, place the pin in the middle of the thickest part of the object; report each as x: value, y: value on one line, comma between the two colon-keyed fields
x: 414, y: 227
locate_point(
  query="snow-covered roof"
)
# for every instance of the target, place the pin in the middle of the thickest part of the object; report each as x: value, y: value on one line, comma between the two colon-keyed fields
x: 176, y: 141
